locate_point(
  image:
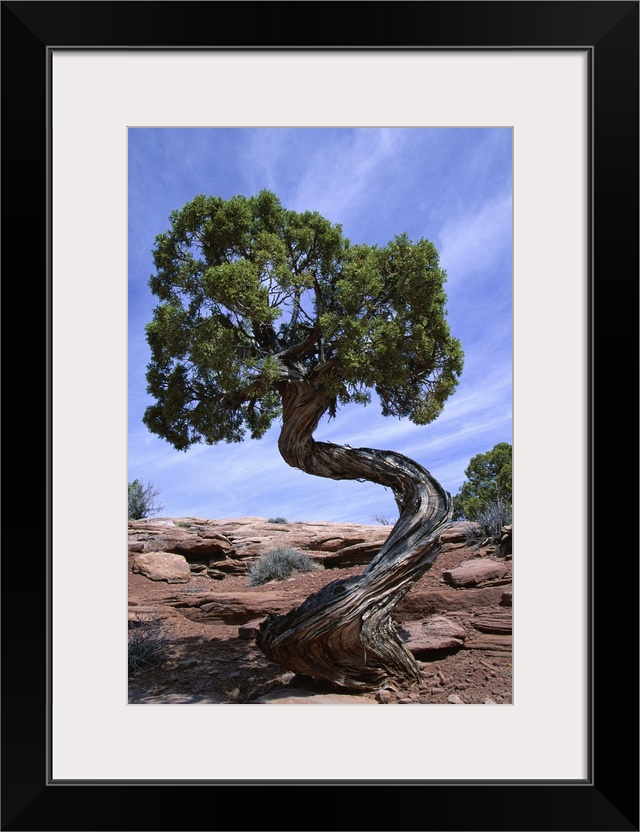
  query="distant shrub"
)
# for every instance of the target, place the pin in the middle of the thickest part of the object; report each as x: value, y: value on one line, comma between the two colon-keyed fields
x: 147, y: 643
x: 383, y: 519
x: 493, y: 516
x: 277, y: 520
x: 142, y: 500
x: 490, y: 519
x: 279, y: 564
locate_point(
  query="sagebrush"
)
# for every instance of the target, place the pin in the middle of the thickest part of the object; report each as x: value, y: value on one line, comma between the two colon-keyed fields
x: 493, y: 516
x: 279, y: 564
x: 148, y: 640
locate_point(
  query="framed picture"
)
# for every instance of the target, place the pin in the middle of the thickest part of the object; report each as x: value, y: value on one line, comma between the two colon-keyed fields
x: 563, y: 78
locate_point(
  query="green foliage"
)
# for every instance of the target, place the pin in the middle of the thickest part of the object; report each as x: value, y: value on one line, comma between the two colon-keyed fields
x: 251, y: 294
x: 142, y: 500
x: 279, y: 564
x: 488, y: 489
x: 281, y: 520
x: 148, y: 641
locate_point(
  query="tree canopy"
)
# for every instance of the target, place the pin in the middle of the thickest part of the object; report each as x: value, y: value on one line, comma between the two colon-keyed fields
x: 489, y: 482
x: 253, y: 295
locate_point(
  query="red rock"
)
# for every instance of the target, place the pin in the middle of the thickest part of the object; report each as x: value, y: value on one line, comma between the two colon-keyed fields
x: 497, y: 622
x: 252, y: 536
x: 333, y: 544
x: 436, y: 633
x: 250, y: 629
x: 231, y: 567
x: 472, y: 572
x: 162, y: 566
x: 232, y: 608
x: 149, y: 612
x: 359, y: 553
x: 419, y: 603
x: 198, y: 547
x: 460, y: 532
x: 383, y: 696
x: 490, y: 641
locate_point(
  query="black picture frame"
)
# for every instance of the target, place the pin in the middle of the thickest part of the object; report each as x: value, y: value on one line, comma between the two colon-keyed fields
x: 608, y: 799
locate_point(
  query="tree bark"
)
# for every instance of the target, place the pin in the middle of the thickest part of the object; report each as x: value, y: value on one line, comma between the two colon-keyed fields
x: 344, y: 632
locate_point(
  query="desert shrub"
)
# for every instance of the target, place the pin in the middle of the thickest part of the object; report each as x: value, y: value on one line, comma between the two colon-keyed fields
x: 147, y: 643
x: 383, y: 519
x: 277, y: 520
x: 493, y: 516
x: 279, y: 564
x: 142, y: 500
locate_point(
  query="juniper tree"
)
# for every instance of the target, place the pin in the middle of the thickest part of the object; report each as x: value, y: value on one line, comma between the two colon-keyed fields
x: 265, y: 313
x: 486, y: 494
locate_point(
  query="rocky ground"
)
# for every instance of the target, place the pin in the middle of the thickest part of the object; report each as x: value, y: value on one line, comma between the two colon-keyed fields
x: 190, y: 596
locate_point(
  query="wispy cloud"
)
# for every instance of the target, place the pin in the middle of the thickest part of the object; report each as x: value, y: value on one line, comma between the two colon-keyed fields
x: 473, y: 244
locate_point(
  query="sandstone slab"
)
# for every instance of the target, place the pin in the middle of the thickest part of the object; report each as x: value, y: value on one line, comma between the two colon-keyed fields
x: 496, y: 622
x: 250, y: 629
x: 491, y: 642
x: 232, y: 608
x: 355, y: 555
x: 162, y: 566
x: 205, y: 546
x: 419, y: 603
x: 436, y: 633
x: 473, y: 572
x: 294, y: 696
x: 460, y: 533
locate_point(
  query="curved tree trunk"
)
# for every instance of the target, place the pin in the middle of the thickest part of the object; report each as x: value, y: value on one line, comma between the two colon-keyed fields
x: 344, y: 633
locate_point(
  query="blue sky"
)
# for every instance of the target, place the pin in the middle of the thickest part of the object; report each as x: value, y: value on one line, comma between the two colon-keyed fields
x: 452, y: 186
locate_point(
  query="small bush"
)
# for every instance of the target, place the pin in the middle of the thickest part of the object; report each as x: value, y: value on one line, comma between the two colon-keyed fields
x: 493, y: 516
x: 383, y: 519
x: 279, y: 564
x: 142, y: 500
x: 147, y: 643
x: 277, y: 520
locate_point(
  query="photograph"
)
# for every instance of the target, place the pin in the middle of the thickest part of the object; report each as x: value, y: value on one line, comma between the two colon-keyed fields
x: 333, y: 302
x: 325, y: 293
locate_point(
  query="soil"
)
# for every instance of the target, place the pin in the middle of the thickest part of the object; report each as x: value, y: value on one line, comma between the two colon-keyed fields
x: 211, y: 662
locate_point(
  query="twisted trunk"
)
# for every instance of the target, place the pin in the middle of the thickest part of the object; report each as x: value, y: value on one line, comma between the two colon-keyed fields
x: 344, y: 633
